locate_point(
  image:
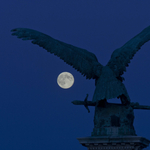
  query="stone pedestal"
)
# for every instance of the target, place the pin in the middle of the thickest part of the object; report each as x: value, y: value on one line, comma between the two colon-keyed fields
x: 113, y: 120
x: 114, y: 143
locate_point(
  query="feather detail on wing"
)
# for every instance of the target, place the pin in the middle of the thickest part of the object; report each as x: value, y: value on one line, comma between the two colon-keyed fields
x: 83, y: 61
x: 121, y: 57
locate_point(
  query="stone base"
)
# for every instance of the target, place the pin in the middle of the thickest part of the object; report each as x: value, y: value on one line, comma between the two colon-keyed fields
x: 114, y: 143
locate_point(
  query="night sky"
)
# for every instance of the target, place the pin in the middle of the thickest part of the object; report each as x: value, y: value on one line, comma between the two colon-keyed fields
x: 35, y: 113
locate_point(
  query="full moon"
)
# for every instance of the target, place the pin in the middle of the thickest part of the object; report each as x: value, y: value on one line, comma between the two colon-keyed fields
x: 65, y: 80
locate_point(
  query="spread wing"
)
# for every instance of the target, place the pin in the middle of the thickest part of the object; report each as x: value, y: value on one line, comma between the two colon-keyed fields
x: 82, y: 60
x: 121, y: 57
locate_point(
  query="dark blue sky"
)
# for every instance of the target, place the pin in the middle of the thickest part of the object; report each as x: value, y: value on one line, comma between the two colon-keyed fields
x: 35, y: 113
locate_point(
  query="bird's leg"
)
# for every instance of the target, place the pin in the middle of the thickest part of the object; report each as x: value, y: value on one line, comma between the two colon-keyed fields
x: 124, y: 99
x: 101, y: 103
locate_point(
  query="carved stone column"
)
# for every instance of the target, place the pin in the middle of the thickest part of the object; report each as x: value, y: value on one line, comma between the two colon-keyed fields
x: 114, y: 143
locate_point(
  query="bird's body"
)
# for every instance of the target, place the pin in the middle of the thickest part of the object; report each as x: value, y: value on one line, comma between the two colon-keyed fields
x: 108, y: 87
x: 108, y: 78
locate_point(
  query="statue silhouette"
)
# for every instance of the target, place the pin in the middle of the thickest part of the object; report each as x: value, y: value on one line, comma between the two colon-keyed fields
x: 109, y: 118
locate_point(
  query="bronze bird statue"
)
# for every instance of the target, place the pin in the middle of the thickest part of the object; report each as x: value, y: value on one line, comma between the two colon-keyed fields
x: 108, y: 79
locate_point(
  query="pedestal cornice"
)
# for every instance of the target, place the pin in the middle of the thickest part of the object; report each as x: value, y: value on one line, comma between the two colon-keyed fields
x: 114, y: 142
